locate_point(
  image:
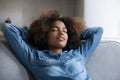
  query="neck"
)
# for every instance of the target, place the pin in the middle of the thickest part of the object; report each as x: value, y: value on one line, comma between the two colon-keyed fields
x: 56, y: 51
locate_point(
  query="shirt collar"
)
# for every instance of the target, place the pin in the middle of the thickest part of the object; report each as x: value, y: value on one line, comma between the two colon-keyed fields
x: 53, y: 54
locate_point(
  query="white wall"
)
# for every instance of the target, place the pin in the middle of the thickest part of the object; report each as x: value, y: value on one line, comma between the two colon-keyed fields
x: 104, y: 13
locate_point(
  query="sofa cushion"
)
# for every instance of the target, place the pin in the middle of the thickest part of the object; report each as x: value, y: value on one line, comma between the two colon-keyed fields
x: 105, y: 63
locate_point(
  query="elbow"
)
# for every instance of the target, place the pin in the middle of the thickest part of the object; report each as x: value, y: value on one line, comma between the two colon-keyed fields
x: 100, y: 30
x: 5, y: 27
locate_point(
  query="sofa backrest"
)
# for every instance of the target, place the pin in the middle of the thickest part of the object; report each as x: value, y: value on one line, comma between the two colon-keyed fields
x: 105, y: 62
x: 10, y: 68
x: 103, y: 65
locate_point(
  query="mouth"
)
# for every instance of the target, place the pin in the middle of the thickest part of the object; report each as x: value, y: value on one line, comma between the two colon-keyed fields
x: 60, y: 38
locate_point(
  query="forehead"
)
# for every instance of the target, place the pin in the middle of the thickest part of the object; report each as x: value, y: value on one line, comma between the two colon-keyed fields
x: 59, y: 23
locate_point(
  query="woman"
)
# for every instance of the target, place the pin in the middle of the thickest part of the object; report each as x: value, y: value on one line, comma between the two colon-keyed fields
x: 55, y: 47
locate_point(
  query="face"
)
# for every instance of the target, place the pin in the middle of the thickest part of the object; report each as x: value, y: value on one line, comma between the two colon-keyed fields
x: 57, y: 35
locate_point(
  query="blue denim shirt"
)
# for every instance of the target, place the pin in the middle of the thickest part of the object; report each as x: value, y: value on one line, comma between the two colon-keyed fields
x: 45, y: 65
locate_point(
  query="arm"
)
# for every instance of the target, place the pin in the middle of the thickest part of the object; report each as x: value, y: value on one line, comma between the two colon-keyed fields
x: 92, y: 38
x: 15, y: 37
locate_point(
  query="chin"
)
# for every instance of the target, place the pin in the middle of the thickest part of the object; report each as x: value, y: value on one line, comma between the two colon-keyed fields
x: 61, y: 46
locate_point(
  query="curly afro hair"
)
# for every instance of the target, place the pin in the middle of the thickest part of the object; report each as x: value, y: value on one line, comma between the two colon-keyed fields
x: 40, y: 27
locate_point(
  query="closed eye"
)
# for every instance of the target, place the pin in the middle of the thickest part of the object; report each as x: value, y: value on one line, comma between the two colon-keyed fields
x: 54, y: 29
x: 65, y: 30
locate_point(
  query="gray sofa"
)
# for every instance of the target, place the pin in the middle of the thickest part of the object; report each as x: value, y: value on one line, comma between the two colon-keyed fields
x: 103, y: 65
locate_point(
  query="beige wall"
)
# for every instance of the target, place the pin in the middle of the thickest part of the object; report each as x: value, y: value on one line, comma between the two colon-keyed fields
x: 79, y: 8
x: 23, y: 12
x: 33, y: 9
x: 12, y: 9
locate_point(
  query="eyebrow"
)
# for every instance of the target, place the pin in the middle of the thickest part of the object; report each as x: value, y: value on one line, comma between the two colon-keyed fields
x: 58, y: 27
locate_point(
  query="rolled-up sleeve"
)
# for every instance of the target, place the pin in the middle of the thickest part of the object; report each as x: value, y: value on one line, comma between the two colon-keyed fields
x: 91, y: 39
x: 16, y: 39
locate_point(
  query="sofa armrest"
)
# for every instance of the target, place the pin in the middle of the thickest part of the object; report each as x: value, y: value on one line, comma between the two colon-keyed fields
x: 105, y: 63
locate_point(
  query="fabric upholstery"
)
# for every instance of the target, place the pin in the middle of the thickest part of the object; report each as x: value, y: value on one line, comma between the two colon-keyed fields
x: 103, y: 65
x: 10, y: 68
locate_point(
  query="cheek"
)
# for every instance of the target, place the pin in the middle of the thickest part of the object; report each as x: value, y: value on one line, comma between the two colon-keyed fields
x: 66, y: 37
x: 51, y: 38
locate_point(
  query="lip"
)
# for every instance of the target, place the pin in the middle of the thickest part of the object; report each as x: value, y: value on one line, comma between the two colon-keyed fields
x: 60, y: 38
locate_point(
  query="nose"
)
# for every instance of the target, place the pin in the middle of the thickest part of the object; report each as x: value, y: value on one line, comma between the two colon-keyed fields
x: 60, y: 32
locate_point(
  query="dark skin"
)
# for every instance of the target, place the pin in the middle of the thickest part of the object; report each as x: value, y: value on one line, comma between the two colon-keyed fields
x: 57, y: 37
